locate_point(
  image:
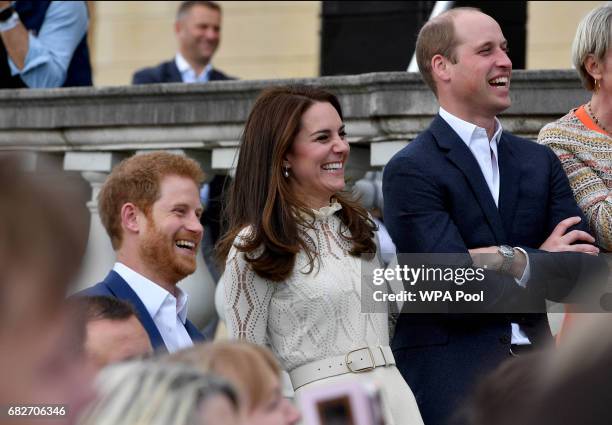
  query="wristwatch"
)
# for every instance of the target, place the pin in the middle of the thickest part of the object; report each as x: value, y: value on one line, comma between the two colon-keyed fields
x: 507, y: 253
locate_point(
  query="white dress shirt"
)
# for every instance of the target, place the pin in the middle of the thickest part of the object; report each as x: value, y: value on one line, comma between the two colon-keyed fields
x: 168, y: 312
x: 187, y: 72
x: 485, y: 152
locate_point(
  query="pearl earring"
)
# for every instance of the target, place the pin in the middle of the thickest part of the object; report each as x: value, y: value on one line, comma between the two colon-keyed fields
x: 286, y: 172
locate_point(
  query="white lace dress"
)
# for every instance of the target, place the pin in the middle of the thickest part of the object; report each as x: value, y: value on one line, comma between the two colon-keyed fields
x: 316, y: 315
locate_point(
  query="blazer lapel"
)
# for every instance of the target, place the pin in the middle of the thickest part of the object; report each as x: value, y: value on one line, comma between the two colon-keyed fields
x: 122, y: 290
x: 172, y: 74
x: 461, y: 156
x: 509, y: 178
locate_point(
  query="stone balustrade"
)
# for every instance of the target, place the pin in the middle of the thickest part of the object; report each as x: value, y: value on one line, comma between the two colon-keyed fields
x: 89, y: 130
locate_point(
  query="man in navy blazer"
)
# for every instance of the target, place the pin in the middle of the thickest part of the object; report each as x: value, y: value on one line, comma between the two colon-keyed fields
x: 198, y: 32
x: 150, y: 207
x: 465, y: 186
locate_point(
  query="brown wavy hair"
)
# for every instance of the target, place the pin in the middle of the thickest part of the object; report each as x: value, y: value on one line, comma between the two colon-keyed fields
x: 260, y: 197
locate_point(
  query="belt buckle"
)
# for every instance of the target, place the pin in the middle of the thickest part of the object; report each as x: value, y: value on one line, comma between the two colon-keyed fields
x: 363, y: 369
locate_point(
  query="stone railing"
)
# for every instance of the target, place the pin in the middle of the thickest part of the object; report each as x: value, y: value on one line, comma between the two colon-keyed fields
x: 88, y: 130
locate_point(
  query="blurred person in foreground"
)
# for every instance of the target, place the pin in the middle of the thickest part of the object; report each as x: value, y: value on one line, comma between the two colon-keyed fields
x: 113, y: 331
x: 44, y: 44
x: 295, y: 249
x: 198, y: 33
x: 255, y: 374
x: 577, y: 377
x: 154, y: 393
x: 150, y: 207
x: 43, y: 234
x: 506, y: 395
x: 568, y: 385
x: 582, y: 139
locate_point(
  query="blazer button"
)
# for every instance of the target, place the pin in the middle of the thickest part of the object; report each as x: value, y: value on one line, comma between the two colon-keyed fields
x: 504, y: 339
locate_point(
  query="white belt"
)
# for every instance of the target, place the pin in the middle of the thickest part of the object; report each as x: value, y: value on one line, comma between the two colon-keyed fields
x: 355, y: 361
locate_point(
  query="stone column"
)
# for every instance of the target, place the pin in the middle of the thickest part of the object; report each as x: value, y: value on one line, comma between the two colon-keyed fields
x: 224, y: 158
x: 381, y: 152
x: 99, y: 256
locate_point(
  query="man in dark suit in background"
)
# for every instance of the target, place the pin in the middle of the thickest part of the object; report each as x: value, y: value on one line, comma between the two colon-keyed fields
x: 198, y: 32
x: 465, y: 186
x: 150, y: 207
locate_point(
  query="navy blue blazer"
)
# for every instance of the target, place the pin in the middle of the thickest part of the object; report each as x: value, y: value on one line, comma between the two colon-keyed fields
x: 114, y: 286
x: 167, y: 72
x: 436, y: 200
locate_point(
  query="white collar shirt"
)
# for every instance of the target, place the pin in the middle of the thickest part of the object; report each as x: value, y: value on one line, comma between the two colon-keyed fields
x: 483, y: 149
x: 168, y: 312
x: 485, y: 152
x: 187, y: 72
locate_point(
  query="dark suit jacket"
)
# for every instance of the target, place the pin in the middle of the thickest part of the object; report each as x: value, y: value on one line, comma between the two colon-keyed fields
x: 437, y: 201
x: 114, y: 286
x: 167, y: 72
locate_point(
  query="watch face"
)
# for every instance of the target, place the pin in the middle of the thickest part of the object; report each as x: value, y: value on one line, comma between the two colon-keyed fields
x: 506, y: 251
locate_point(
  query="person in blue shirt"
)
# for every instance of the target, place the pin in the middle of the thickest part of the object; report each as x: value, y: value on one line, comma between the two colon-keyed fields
x: 44, y: 44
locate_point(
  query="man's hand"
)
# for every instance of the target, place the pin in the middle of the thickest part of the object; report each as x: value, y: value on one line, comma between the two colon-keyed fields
x: 491, y: 258
x: 4, y: 4
x: 560, y: 241
x: 486, y: 256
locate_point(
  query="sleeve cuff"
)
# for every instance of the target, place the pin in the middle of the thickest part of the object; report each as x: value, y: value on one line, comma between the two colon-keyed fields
x: 527, y: 273
x: 36, y: 56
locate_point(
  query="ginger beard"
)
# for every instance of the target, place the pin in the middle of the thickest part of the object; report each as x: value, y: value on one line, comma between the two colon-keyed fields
x: 159, y: 252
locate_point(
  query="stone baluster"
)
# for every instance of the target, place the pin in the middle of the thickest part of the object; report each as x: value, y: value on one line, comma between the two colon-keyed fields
x: 99, y: 256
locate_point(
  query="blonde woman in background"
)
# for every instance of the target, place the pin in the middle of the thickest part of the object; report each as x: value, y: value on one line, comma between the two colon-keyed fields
x: 154, y: 393
x: 255, y: 374
x: 582, y: 139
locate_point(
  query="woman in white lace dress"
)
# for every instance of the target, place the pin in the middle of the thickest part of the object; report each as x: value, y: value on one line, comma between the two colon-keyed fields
x: 295, y: 250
